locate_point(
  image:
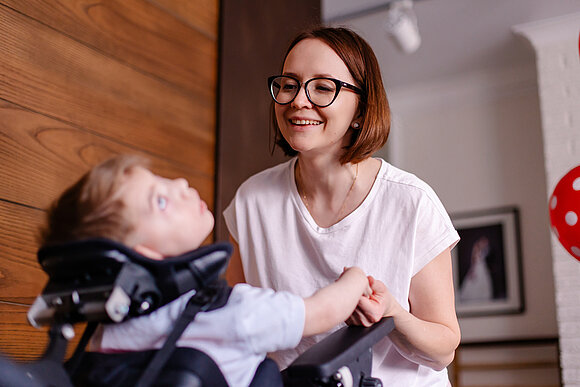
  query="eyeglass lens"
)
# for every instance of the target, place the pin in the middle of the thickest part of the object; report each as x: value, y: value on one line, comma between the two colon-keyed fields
x: 320, y: 91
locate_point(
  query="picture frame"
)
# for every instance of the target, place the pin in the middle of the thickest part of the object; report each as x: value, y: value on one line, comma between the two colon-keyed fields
x: 487, y: 263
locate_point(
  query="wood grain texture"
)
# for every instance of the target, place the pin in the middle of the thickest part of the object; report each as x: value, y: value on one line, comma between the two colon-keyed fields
x: 172, y: 40
x: 201, y: 14
x: 55, y: 75
x: 22, y: 342
x: 21, y: 278
x: 42, y: 156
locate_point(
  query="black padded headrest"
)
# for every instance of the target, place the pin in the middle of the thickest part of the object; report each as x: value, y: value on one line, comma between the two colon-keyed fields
x: 100, y: 279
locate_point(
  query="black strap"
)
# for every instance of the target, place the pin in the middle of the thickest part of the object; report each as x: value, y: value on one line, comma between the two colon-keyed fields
x: 267, y: 374
x: 201, y: 301
x: 75, y: 360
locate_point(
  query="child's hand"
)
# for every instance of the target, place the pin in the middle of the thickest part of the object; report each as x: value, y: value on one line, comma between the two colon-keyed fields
x: 355, y: 271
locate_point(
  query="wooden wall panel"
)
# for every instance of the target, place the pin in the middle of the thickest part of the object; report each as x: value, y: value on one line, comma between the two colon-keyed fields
x: 200, y: 14
x: 21, y: 278
x: 52, y: 74
x: 83, y: 80
x: 179, y: 47
x: 43, y: 156
x: 15, y: 327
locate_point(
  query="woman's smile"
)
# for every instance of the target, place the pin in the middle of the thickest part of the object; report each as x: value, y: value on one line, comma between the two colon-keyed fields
x: 304, y: 122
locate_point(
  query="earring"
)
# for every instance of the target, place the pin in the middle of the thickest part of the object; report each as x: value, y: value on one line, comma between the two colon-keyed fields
x: 355, y: 125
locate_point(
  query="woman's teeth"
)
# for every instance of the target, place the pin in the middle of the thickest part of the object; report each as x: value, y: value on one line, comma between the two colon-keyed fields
x: 305, y: 122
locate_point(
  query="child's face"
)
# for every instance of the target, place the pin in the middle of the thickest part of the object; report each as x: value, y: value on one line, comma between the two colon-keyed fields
x: 169, y: 216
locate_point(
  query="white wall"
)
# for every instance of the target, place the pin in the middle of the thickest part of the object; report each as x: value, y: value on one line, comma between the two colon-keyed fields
x: 476, y: 139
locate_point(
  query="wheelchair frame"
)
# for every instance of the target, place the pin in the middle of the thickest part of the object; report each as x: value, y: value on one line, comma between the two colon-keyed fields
x: 107, y: 282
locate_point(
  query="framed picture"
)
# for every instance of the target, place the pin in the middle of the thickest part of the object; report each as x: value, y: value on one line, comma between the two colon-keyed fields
x: 487, y: 267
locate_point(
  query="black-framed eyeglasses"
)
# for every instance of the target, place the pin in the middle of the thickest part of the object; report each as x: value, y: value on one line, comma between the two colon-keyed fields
x: 320, y: 91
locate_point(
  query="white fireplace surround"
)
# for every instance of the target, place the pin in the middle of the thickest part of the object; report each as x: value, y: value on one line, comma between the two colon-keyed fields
x: 555, y: 42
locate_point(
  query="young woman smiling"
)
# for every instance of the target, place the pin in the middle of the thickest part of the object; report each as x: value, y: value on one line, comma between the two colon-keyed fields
x: 332, y: 205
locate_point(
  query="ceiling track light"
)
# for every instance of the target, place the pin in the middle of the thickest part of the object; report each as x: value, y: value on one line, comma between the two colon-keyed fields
x: 401, y: 25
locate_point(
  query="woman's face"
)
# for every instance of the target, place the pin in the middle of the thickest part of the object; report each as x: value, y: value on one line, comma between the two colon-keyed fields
x: 306, y: 127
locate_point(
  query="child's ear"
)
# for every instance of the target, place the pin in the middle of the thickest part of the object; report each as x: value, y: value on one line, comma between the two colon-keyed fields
x: 146, y: 251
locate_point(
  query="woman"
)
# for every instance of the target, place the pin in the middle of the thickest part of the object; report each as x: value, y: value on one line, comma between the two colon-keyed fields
x: 296, y: 225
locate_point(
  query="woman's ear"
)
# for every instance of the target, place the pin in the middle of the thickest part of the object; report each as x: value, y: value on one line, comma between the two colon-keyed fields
x: 357, y: 119
x: 149, y: 253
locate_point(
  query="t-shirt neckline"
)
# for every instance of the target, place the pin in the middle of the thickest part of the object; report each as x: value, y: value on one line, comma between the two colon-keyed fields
x: 344, y: 222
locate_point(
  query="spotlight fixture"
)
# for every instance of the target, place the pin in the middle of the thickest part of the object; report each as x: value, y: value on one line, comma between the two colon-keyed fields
x: 401, y: 25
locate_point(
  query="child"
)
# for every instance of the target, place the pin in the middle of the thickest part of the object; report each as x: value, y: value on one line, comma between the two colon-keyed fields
x: 122, y: 200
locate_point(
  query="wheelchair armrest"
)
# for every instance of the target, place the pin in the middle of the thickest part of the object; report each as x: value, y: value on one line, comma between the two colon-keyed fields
x: 342, y: 348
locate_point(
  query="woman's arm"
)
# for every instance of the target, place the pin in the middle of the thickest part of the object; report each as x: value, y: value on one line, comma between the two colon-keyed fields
x: 235, y: 271
x: 429, y: 333
x: 334, y: 303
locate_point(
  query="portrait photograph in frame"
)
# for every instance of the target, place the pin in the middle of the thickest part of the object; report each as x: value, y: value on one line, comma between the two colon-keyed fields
x: 487, y: 267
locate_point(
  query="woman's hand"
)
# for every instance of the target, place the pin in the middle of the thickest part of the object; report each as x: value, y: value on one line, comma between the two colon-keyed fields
x: 373, y: 308
x: 429, y: 334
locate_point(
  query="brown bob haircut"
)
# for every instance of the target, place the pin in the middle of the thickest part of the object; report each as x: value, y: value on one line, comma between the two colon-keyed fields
x: 91, y: 208
x: 373, y: 107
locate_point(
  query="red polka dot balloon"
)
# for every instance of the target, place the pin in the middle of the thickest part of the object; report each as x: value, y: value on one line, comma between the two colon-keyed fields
x: 565, y: 211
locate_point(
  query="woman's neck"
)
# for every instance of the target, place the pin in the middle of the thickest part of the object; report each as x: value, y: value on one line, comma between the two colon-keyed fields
x: 325, y: 189
x: 323, y: 176
x: 330, y: 190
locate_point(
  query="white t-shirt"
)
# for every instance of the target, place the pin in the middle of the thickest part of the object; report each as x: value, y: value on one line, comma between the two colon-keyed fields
x: 237, y: 336
x: 399, y: 228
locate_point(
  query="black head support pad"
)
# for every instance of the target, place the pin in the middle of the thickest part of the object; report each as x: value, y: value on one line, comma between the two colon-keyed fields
x: 103, y: 280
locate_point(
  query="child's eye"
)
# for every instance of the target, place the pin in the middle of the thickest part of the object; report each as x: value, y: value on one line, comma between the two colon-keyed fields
x: 161, y: 202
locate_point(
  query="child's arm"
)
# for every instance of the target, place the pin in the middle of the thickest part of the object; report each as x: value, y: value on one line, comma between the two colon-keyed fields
x: 334, y: 303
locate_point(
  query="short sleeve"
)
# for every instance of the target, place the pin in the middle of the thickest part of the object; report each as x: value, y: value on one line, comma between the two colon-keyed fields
x: 230, y: 218
x: 434, y: 230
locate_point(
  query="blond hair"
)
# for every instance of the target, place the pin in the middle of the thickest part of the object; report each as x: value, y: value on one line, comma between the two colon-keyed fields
x: 90, y: 207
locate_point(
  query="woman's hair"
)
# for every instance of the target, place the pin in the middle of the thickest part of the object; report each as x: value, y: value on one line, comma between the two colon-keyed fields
x: 91, y: 207
x: 373, y: 106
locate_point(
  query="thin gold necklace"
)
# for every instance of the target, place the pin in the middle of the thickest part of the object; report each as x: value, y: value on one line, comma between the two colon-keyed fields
x: 342, y: 207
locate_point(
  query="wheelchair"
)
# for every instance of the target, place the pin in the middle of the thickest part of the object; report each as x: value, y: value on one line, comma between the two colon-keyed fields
x: 102, y: 281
